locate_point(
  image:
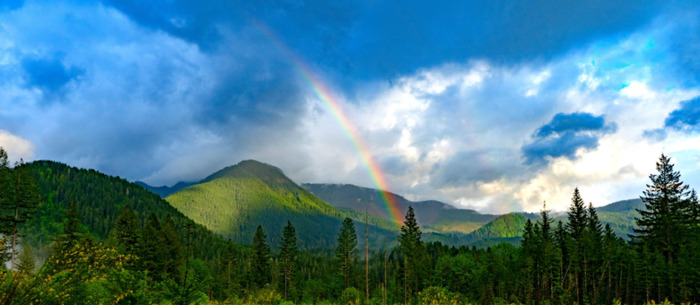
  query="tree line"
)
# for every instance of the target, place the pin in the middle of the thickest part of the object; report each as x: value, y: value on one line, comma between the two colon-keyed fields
x: 160, y: 259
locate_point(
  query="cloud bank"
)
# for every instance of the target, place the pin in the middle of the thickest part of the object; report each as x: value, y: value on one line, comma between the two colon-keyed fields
x: 492, y: 105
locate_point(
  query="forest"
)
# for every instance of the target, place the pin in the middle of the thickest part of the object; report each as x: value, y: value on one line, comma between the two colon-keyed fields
x: 61, y: 244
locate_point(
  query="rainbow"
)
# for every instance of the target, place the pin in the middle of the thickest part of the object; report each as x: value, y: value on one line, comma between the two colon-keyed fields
x: 325, y: 95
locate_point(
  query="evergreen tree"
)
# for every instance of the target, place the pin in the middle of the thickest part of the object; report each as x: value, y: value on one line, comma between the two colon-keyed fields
x: 73, y: 232
x: 172, y: 248
x: 411, y: 247
x: 17, y: 208
x: 26, y: 264
x: 593, y: 238
x: 151, y: 250
x: 260, y: 260
x: 125, y: 233
x: 288, y: 253
x: 662, y: 223
x: 578, y: 222
x: 346, y: 251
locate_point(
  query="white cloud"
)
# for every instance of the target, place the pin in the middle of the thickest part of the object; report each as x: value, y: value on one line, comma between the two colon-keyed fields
x: 16, y: 147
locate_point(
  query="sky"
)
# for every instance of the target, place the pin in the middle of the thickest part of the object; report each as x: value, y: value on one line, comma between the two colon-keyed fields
x: 496, y: 106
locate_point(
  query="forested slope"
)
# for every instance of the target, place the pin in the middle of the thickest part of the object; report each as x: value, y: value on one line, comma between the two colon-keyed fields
x: 99, y: 198
x: 234, y: 201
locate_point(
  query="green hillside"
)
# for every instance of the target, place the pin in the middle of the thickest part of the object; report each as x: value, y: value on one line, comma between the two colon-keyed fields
x: 99, y: 199
x: 433, y: 216
x: 233, y: 201
x: 505, y: 226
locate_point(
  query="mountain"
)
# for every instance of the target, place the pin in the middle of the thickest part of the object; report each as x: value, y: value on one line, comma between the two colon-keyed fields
x: 621, y: 216
x: 164, y: 191
x: 99, y: 199
x: 433, y: 216
x: 508, y: 226
x: 235, y: 200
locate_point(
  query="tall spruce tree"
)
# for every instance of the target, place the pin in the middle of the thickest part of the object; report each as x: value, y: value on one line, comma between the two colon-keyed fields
x: 172, y: 248
x: 577, y: 224
x: 593, y: 238
x: 661, y: 225
x: 151, y: 250
x: 288, y: 255
x: 346, y: 251
x: 411, y: 246
x: 260, y: 260
x: 125, y: 234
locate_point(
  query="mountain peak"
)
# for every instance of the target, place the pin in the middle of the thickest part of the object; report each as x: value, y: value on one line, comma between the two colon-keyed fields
x: 253, y: 169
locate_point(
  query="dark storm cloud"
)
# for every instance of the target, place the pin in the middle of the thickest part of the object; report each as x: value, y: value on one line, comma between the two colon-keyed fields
x: 48, y: 74
x: 564, y: 135
x: 384, y: 39
x: 687, y: 116
x: 574, y: 122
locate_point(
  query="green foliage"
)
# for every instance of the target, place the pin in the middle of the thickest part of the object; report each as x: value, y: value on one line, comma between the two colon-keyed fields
x: 26, y: 264
x: 99, y: 199
x: 233, y: 201
x: 125, y: 235
x: 18, y: 200
x: 260, y: 259
x: 506, y: 226
x: 414, y: 263
x: 288, y: 256
x: 346, y: 251
x: 350, y: 296
x: 439, y: 296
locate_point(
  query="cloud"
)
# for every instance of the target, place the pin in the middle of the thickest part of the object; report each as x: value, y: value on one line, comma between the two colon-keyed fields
x: 17, y: 148
x: 48, y: 74
x: 687, y: 116
x: 164, y: 91
x: 369, y: 40
x: 564, y: 135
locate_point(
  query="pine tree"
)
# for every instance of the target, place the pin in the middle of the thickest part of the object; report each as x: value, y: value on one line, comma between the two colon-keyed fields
x: 26, y: 264
x: 411, y: 247
x: 288, y: 253
x: 19, y: 206
x: 661, y: 225
x: 73, y: 232
x: 126, y: 231
x: 578, y: 222
x: 260, y: 260
x: 151, y: 250
x: 346, y: 251
x: 546, y: 262
x: 593, y: 238
x: 172, y: 248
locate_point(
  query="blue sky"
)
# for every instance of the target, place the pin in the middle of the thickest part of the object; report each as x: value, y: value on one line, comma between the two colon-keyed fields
x: 492, y: 105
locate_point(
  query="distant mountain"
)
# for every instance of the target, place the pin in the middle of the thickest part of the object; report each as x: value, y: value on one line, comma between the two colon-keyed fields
x: 622, y: 206
x: 620, y: 215
x: 99, y: 199
x: 432, y: 216
x: 164, y: 191
x: 505, y: 226
x: 235, y: 200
